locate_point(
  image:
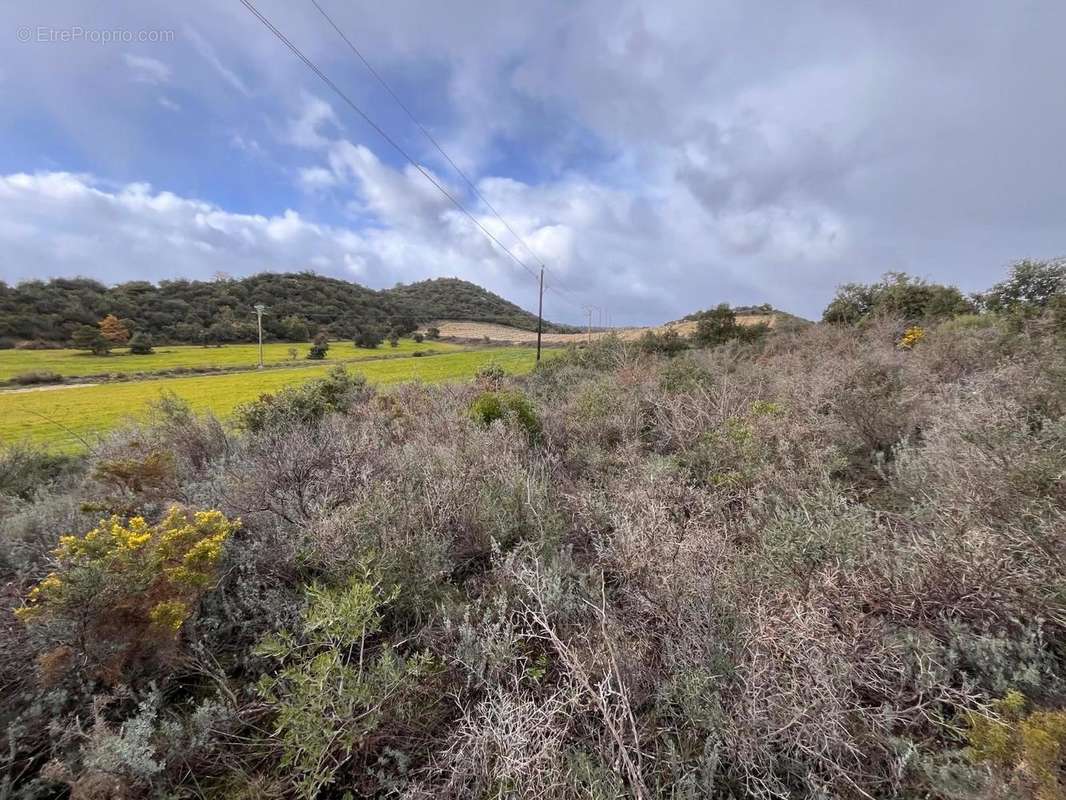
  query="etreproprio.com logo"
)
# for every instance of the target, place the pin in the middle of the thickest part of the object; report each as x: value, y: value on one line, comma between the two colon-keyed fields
x: 77, y: 33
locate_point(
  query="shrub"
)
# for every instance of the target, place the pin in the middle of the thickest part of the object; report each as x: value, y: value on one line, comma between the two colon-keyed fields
x: 26, y: 470
x: 432, y: 332
x: 37, y: 377
x: 38, y: 344
x: 896, y: 294
x: 141, y: 344
x: 369, y: 338
x: 319, y: 348
x: 123, y: 591
x: 513, y: 406
x: 490, y: 376
x: 668, y: 343
x: 338, y: 684
x: 303, y: 404
x: 1026, y: 748
x: 720, y: 325
x: 89, y: 338
x: 418, y: 337
x: 911, y: 337
x: 1031, y: 285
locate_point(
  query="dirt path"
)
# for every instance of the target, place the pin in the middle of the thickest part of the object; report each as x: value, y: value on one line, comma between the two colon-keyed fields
x: 24, y: 389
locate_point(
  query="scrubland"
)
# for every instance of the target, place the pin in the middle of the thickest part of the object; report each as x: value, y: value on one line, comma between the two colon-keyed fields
x: 828, y: 563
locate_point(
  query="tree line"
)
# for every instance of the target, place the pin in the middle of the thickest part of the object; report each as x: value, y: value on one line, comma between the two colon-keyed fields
x: 300, y: 306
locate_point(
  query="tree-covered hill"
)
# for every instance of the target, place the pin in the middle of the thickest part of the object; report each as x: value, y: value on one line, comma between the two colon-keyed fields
x: 452, y: 298
x: 299, y: 305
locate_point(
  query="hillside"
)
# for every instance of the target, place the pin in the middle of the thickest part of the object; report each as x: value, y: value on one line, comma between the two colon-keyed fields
x: 299, y: 304
x: 455, y: 299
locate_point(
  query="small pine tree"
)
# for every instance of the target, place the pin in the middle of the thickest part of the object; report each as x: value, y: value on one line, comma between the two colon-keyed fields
x: 141, y: 344
x: 89, y: 338
x: 112, y: 329
x: 319, y: 347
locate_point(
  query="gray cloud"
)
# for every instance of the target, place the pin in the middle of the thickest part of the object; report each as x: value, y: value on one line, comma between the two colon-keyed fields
x: 663, y: 155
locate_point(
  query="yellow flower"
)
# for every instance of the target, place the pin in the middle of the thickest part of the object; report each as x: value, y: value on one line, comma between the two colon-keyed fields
x: 911, y: 337
x: 169, y: 614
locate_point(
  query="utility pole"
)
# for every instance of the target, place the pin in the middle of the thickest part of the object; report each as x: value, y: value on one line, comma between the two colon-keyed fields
x: 540, y: 311
x: 589, y: 310
x: 259, y: 309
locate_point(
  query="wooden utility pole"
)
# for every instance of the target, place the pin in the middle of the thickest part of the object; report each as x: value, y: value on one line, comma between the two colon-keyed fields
x: 259, y: 309
x: 540, y: 312
x: 589, y: 309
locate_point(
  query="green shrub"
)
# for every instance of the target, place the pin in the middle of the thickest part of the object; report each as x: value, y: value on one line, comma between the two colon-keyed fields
x: 720, y: 325
x: 669, y: 343
x: 141, y: 344
x: 337, y: 683
x: 513, y: 407
x: 898, y: 295
x: 26, y: 470
x: 369, y: 338
x: 1031, y: 285
x: 1030, y: 747
x: 89, y: 337
x: 319, y: 348
x: 305, y: 404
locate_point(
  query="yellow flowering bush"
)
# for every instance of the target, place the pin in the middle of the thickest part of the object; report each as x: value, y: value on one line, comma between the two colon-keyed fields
x: 911, y: 337
x: 1031, y: 747
x: 127, y: 584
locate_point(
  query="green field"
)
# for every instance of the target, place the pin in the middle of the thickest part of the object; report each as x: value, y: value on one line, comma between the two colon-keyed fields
x: 57, y: 417
x: 77, y: 363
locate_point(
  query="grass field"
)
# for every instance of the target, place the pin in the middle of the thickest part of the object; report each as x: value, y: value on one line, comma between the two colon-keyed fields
x: 56, y: 417
x: 77, y: 363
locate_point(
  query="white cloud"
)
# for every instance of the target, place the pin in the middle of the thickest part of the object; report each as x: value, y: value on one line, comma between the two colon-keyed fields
x: 147, y: 70
x: 314, y: 179
x: 168, y: 104
x: 207, y: 51
x: 304, y: 129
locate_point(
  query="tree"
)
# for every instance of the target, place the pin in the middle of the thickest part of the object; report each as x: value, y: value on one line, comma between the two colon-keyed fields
x: 112, y: 329
x: 141, y: 344
x: 716, y: 326
x: 896, y: 294
x: 368, y: 337
x: 319, y: 347
x: 1031, y: 285
x: 433, y: 333
x: 394, y: 339
x: 418, y: 337
x: 89, y: 338
x: 294, y: 329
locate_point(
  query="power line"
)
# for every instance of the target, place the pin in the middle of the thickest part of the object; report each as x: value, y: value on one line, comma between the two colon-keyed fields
x: 435, y: 143
x: 337, y: 90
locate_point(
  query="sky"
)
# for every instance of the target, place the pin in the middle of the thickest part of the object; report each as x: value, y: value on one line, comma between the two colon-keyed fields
x: 657, y: 157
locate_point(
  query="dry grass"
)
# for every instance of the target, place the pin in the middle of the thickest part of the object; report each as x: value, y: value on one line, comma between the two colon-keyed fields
x: 478, y: 331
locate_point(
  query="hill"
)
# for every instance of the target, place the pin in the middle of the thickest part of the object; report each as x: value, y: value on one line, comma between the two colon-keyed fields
x: 455, y: 299
x: 300, y: 304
